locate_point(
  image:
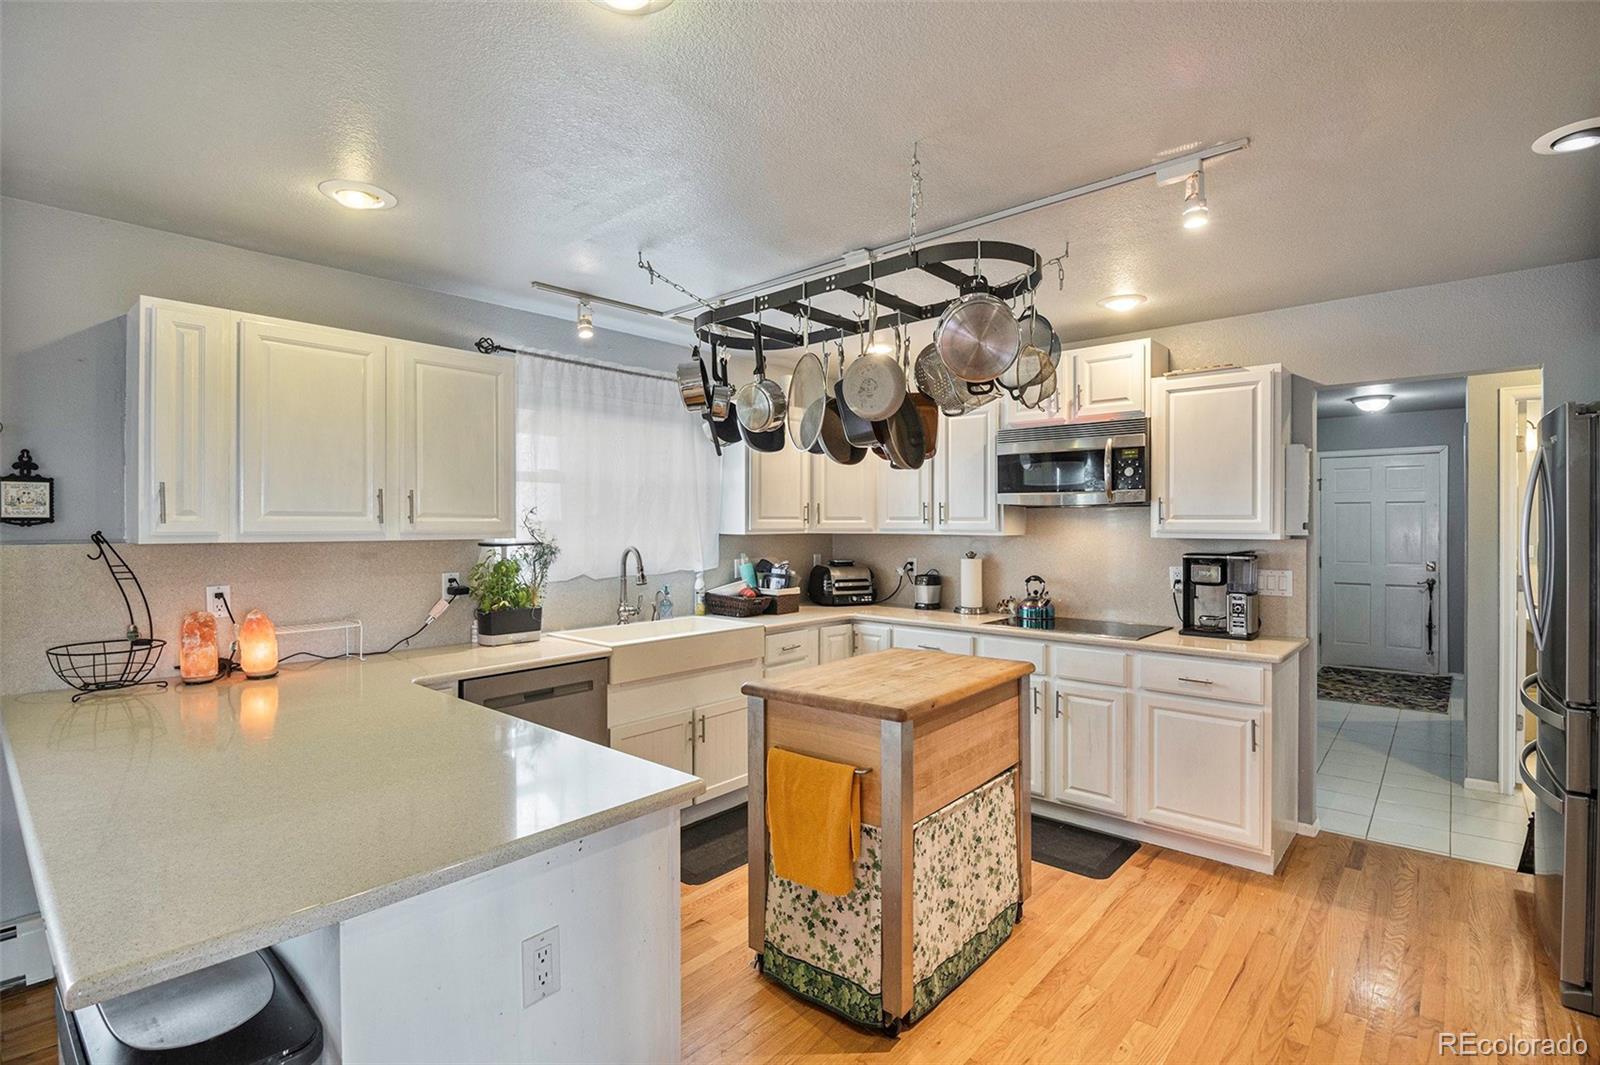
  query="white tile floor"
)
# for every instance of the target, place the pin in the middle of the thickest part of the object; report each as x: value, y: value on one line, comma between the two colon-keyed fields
x: 1395, y: 776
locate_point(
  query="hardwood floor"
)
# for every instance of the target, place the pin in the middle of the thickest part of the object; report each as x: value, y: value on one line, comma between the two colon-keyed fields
x: 1355, y: 952
x: 28, y: 1026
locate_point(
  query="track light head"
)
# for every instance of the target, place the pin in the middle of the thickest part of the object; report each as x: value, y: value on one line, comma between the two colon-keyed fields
x: 1196, y: 214
x: 585, y: 321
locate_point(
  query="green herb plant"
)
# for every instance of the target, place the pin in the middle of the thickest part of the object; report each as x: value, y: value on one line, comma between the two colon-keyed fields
x: 516, y: 582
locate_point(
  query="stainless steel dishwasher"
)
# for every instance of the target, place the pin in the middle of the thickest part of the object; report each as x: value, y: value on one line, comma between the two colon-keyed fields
x: 569, y: 698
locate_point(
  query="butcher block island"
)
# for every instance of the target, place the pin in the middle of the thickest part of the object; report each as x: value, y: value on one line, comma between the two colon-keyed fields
x: 938, y: 748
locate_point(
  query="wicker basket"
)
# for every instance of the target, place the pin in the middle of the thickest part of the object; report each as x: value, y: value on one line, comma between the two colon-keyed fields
x: 785, y: 602
x: 737, y: 606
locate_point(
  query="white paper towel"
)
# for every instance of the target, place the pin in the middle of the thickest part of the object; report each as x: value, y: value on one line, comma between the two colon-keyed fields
x: 971, y: 584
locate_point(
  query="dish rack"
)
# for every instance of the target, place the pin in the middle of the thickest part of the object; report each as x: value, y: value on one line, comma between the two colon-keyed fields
x: 106, y: 665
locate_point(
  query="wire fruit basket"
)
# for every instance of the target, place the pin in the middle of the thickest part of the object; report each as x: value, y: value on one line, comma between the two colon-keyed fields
x: 106, y: 665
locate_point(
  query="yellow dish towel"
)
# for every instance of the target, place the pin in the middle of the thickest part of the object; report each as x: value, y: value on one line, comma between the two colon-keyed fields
x: 814, y: 817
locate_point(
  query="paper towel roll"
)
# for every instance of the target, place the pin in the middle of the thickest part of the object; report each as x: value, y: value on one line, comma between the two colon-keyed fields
x: 971, y: 585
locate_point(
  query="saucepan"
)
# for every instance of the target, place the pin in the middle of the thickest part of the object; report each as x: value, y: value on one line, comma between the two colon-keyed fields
x: 761, y: 403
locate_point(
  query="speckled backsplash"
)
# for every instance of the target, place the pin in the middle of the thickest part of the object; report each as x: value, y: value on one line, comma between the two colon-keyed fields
x: 52, y: 593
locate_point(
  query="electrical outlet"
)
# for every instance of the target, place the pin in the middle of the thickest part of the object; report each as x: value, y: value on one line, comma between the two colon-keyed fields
x: 214, y: 602
x: 444, y: 583
x: 1174, y: 575
x: 541, y: 965
x: 910, y: 567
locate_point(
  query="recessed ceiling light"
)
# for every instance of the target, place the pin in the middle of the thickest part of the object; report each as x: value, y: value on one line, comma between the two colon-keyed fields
x: 1125, y: 301
x: 357, y: 195
x: 585, y: 321
x: 1371, y: 404
x: 633, y: 7
x: 1573, y: 137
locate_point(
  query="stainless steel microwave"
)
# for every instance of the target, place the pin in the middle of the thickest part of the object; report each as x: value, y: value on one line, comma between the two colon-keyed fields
x: 1092, y: 464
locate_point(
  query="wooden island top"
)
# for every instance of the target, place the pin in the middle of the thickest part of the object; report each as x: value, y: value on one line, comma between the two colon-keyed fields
x: 899, y: 685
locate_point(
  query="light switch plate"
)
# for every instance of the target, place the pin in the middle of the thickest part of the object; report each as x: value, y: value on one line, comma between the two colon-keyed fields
x: 1276, y: 582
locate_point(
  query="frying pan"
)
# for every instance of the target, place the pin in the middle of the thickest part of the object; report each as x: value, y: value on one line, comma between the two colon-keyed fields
x: 834, y: 442
x: 927, y: 410
x: 857, y: 429
x: 900, y: 435
x: 875, y: 385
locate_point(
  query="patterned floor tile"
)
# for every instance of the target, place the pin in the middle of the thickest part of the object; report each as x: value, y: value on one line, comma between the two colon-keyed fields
x: 1487, y: 851
x: 1402, y: 834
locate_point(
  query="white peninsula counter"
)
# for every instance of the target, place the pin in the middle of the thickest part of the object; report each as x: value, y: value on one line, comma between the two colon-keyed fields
x: 397, y: 844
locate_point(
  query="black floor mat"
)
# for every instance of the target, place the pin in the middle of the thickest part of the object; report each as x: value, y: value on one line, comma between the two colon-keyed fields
x: 715, y: 846
x: 1079, y: 850
x: 719, y: 845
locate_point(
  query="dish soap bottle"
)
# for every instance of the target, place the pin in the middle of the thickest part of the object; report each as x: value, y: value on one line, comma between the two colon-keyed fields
x: 699, y: 594
x: 664, y: 607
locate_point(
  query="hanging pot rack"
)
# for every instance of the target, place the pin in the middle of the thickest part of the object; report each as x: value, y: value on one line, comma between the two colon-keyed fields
x: 734, y: 327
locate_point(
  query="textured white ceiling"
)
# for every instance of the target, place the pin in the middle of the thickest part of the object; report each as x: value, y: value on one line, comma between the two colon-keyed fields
x: 1439, y: 393
x: 735, y: 141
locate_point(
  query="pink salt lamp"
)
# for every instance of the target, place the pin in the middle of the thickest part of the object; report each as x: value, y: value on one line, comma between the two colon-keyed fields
x: 258, y: 645
x: 197, y: 648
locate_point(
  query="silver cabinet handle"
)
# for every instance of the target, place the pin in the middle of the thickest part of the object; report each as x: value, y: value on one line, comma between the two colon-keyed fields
x: 1160, y: 510
x: 411, y: 505
x: 1058, y: 705
x: 1252, y: 736
x: 1196, y: 680
x: 924, y: 512
x: 805, y: 513
x: 785, y: 649
x: 1036, y: 702
x: 690, y: 740
x: 161, y: 498
x: 380, y: 506
x: 1078, y: 397
x: 926, y: 647
x: 941, y: 513
x: 703, y: 728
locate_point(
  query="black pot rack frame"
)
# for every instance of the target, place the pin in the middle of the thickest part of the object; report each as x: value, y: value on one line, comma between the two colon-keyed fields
x: 734, y: 328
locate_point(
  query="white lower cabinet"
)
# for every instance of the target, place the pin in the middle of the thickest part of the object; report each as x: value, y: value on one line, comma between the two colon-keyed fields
x: 1091, y: 749
x: 835, y: 642
x: 951, y: 643
x: 666, y: 740
x: 721, y: 753
x: 795, y: 649
x: 870, y: 638
x: 1199, y: 768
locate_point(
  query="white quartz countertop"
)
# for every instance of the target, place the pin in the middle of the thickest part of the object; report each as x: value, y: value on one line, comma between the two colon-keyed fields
x: 1264, y: 649
x: 167, y: 831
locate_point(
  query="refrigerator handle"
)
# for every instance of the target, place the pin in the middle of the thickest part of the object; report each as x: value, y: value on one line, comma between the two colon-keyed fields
x: 1536, y: 473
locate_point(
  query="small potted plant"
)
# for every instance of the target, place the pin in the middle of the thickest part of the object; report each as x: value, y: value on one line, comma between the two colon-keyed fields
x: 508, y: 583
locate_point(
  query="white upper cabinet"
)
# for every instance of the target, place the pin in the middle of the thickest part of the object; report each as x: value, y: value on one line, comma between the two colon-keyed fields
x: 180, y: 423
x: 1101, y: 382
x: 454, y: 432
x: 905, y: 498
x: 313, y: 432
x: 1217, y: 455
x: 248, y: 428
x: 843, y: 498
x: 777, y: 496
x: 964, y: 472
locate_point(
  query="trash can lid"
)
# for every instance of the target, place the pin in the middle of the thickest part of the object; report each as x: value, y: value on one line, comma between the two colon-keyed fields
x: 191, y: 1009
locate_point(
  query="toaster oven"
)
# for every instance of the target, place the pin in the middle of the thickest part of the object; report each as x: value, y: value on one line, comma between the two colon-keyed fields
x: 1094, y: 464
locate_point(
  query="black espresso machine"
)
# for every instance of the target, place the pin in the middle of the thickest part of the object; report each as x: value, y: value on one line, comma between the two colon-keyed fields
x: 1219, y: 596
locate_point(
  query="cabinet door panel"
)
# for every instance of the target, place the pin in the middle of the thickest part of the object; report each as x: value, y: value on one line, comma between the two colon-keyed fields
x: 964, y: 473
x: 844, y: 498
x: 313, y: 419
x: 1216, y: 463
x: 871, y: 638
x: 1109, y: 379
x: 1200, y: 768
x: 721, y: 751
x: 189, y: 386
x: 667, y: 740
x: 454, y: 431
x: 838, y: 642
x: 780, y: 490
x: 905, y: 497
x: 1091, y: 747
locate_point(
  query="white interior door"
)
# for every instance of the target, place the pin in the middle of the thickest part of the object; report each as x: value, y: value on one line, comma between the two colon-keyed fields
x: 1382, y: 541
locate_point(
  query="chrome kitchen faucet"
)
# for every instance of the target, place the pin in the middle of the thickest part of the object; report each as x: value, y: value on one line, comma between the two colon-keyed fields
x: 627, y: 611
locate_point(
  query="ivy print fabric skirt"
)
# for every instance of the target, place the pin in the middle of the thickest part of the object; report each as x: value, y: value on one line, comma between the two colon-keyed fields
x: 965, y: 894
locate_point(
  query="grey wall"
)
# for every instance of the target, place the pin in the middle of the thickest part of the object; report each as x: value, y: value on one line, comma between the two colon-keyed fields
x: 67, y: 280
x: 1422, y: 428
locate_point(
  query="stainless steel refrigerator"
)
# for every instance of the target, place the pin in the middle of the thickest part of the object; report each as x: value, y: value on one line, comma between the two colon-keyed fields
x: 1561, y: 766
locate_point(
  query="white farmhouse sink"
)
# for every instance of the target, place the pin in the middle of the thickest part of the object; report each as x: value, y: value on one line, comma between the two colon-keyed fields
x: 649, y: 649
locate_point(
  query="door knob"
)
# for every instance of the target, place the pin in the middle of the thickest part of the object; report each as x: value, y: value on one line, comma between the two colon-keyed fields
x: 1431, y: 567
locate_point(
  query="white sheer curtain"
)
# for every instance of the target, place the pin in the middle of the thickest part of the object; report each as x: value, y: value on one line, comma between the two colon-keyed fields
x: 611, y: 460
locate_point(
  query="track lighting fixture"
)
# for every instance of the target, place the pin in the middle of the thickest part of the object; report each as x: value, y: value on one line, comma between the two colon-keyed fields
x: 1195, y: 212
x: 585, y: 321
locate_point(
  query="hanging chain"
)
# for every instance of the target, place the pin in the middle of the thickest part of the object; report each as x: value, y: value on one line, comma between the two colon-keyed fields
x: 916, y: 198
x: 1059, y: 262
x: 645, y: 265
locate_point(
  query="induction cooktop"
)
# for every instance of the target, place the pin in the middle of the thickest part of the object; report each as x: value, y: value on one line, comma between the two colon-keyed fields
x: 1121, y: 630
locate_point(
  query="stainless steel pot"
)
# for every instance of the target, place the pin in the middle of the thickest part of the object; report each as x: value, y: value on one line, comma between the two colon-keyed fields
x: 692, y: 384
x: 761, y: 403
x: 977, y: 336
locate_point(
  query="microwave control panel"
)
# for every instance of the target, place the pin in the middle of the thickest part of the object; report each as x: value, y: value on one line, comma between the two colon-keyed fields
x: 1127, y: 469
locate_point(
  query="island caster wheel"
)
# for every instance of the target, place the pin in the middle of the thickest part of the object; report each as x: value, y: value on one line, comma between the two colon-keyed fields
x: 755, y: 963
x: 891, y: 1027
